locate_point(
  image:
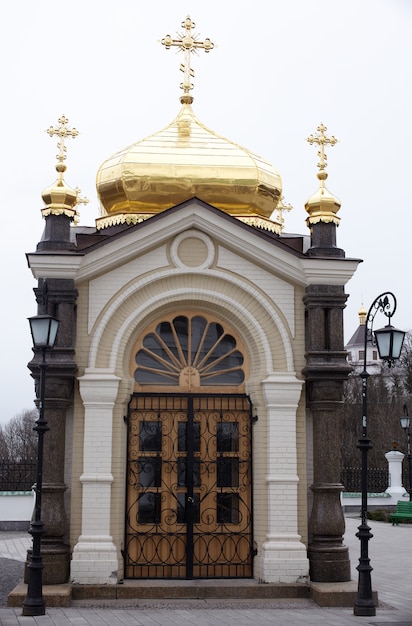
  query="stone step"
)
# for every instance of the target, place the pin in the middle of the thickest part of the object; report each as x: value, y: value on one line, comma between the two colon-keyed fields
x: 53, y: 595
x: 63, y: 595
x: 323, y: 594
x: 192, y: 589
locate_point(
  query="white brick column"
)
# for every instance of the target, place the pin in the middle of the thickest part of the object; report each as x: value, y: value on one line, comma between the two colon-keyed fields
x: 284, y: 556
x: 94, y: 558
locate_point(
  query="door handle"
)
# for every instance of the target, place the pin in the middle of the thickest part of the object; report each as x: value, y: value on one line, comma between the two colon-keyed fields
x: 190, y: 499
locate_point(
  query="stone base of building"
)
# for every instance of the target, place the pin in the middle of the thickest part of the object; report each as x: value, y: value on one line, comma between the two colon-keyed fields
x: 323, y: 594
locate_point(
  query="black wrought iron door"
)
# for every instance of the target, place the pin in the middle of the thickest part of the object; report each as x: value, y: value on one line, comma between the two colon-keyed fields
x: 189, y: 487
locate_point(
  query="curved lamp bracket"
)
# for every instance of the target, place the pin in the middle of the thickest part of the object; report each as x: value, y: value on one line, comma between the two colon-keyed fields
x: 389, y: 340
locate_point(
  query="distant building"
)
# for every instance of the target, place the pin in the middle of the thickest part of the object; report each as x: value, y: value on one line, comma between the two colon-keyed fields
x: 356, y: 348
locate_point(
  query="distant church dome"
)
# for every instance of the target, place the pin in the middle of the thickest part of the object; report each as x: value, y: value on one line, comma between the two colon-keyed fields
x: 184, y: 160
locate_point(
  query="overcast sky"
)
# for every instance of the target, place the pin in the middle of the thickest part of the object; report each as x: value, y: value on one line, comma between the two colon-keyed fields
x: 278, y: 69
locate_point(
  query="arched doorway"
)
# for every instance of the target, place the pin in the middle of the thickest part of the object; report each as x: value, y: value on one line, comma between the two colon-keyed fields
x: 189, y: 478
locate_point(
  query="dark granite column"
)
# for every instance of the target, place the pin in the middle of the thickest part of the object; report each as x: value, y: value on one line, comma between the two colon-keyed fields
x: 56, y: 297
x: 325, y: 372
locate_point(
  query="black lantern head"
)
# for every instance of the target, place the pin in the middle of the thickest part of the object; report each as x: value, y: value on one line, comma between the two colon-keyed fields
x: 405, y: 422
x: 43, y: 330
x: 389, y: 341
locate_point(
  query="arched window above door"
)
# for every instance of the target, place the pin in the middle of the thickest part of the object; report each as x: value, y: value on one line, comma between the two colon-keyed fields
x: 189, y: 351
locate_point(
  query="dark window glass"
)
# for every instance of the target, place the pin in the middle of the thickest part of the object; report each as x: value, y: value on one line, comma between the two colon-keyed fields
x: 230, y: 361
x: 150, y: 471
x: 146, y: 359
x: 165, y: 353
x: 213, y: 334
x: 228, y: 472
x: 181, y: 437
x: 198, y: 329
x: 226, y: 344
x: 150, y: 436
x: 227, y: 434
x: 165, y: 331
x: 151, y: 342
x: 148, y: 377
x: 227, y: 508
x: 181, y: 325
x: 182, y: 472
x: 225, y: 378
x: 149, y: 508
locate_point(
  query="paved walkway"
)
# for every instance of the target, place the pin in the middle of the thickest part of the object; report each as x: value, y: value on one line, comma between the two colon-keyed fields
x: 391, y: 557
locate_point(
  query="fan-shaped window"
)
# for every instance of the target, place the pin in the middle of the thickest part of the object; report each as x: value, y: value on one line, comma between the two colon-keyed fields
x: 189, y: 351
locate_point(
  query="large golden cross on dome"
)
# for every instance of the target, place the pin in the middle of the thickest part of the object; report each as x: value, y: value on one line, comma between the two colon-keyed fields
x: 188, y: 44
x: 62, y: 131
x: 321, y: 140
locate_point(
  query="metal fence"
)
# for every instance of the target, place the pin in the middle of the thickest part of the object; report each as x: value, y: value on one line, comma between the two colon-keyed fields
x: 378, y: 479
x: 17, y: 476
x: 22, y: 476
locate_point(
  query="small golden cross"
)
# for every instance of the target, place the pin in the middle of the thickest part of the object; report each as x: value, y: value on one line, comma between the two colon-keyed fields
x: 281, y: 207
x: 79, y: 199
x: 321, y: 140
x: 188, y: 44
x: 62, y: 131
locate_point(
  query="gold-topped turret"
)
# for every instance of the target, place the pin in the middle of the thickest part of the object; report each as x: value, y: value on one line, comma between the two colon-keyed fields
x: 59, y: 198
x: 186, y: 160
x: 322, y: 206
x: 362, y: 315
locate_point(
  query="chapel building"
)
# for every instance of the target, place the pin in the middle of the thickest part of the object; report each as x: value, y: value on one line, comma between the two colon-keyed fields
x: 194, y: 393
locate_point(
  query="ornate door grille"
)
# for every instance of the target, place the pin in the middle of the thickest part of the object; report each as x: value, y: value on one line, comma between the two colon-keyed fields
x: 189, y: 487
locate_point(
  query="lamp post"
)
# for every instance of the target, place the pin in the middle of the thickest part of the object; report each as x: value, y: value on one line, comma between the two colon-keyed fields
x: 389, y: 342
x: 405, y: 421
x: 43, y: 330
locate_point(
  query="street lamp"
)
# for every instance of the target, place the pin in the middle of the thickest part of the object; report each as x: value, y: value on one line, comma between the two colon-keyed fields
x: 389, y: 342
x: 43, y: 330
x: 405, y: 421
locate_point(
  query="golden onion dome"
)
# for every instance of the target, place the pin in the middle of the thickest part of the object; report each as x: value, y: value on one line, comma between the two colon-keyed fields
x: 184, y: 160
x: 322, y: 206
x: 59, y: 198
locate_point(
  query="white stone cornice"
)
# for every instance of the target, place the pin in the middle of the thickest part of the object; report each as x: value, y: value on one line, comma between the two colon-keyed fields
x: 282, y: 478
x: 282, y: 390
x: 54, y: 265
x: 330, y: 271
x: 96, y: 478
x: 98, y: 388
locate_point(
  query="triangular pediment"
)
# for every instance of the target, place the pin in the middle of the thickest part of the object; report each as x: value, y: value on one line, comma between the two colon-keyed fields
x: 258, y: 246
